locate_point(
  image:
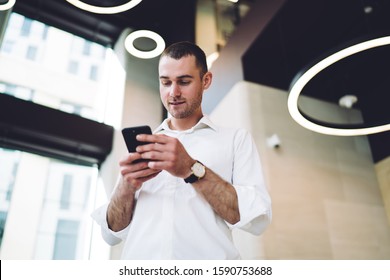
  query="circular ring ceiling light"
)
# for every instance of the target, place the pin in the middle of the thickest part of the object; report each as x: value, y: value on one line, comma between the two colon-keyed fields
x: 104, y: 10
x: 129, y: 44
x: 8, y: 5
x: 303, y: 79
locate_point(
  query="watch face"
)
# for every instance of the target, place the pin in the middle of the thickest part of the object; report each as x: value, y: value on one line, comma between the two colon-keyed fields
x: 198, y: 170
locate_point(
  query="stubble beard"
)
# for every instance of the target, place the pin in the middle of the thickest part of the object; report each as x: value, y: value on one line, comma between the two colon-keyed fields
x: 185, y: 112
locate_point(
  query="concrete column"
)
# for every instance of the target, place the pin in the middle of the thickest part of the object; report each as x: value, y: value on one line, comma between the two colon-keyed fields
x: 4, y: 17
x: 227, y: 69
x: 206, y: 26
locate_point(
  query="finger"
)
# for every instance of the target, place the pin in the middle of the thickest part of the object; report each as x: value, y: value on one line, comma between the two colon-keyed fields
x: 150, y: 147
x: 144, y: 173
x: 161, y: 165
x: 153, y: 138
x: 155, y: 165
x: 132, y: 168
x: 129, y: 158
x: 155, y: 156
x: 135, y: 178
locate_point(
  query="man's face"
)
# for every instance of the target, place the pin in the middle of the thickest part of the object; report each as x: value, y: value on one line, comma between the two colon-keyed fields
x: 181, y: 87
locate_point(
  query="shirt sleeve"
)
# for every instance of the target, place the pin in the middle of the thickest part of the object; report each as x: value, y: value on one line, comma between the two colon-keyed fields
x: 254, y: 201
x: 111, y: 237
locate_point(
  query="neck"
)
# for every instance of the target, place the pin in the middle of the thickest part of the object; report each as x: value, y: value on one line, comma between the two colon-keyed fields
x: 185, y: 123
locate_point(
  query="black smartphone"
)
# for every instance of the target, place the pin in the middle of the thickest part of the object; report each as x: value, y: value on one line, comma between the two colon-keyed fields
x: 130, y: 133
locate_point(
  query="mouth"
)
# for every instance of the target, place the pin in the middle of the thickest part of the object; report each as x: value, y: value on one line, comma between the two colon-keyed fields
x: 176, y: 103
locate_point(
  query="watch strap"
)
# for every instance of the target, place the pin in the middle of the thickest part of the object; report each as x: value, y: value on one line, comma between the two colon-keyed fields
x: 193, y: 178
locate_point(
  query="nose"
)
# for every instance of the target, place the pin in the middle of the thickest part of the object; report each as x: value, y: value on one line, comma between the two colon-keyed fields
x: 174, y: 91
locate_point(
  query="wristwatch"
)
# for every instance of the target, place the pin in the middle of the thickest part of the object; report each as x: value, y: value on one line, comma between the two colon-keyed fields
x: 198, y: 171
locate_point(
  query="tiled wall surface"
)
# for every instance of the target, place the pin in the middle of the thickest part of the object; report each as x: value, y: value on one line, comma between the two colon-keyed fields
x: 327, y: 203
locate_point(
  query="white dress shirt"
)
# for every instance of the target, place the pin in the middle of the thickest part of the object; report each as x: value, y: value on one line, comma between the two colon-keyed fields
x: 172, y: 220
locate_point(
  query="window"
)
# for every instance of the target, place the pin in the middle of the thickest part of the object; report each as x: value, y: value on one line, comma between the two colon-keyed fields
x: 93, y: 74
x: 66, y: 191
x: 11, y: 182
x: 32, y: 50
x: 65, y: 244
x: 45, y: 32
x: 8, y: 46
x: 87, y: 48
x: 26, y: 27
x: 32, y: 53
x: 73, y: 67
x: 71, y: 108
x: 17, y: 91
x: 57, y: 195
x: 59, y: 203
x: 9, y: 162
x: 10, y: 89
x: 3, y: 218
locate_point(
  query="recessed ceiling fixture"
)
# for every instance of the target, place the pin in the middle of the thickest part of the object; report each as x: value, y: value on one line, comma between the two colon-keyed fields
x: 368, y: 9
x: 347, y: 101
x: 129, y: 44
x: 303, y: 79
x: 8, y: 5
x: 104, y: 10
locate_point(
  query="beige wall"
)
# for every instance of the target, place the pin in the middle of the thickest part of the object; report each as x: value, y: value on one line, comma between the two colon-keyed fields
x: 383, y: 171
x: 326, y: 199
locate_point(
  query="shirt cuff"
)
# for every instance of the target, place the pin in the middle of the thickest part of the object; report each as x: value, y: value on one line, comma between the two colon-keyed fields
x: 111, y: 237
x: 255, y: 210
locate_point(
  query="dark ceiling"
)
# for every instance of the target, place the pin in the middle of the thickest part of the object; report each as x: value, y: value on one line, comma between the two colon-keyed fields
x: 161, y: 16
x: 302, y: 32
x: 306, y: 31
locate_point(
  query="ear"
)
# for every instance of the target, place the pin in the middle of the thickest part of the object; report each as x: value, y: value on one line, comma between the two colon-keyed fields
x: 207, y: 79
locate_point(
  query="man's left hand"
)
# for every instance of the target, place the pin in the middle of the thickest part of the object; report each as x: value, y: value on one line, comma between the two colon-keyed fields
x: 166, y: 153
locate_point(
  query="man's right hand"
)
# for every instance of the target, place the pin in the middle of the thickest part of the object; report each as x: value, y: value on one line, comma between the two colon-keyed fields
x: 135, y: 174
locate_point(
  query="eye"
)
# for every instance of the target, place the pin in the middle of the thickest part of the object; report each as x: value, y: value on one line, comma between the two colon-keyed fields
x: 165, y: 82
x: 184, y: 82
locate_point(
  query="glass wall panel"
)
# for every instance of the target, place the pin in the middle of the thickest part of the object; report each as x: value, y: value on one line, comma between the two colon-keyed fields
x: 55, y: 221
x: 56, y: 67
x: 9, y: 162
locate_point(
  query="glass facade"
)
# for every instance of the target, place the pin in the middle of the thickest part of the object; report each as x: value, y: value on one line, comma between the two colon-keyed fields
x: 64, y: 197
x: 9, y: 161
x: 45, y: 204
x: 70, y: 69
x: 64, y: 211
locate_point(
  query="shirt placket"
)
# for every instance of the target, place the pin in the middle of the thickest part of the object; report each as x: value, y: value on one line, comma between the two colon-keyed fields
x: 169, y: 211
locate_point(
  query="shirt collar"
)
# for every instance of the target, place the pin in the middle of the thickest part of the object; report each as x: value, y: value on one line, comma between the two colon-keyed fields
x: 203, y: 123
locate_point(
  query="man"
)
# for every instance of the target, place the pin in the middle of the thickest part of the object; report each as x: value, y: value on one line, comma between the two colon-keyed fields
x: 198, y: 182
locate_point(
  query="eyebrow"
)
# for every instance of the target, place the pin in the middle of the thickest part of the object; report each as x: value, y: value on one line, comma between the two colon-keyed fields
x: 179, y: 77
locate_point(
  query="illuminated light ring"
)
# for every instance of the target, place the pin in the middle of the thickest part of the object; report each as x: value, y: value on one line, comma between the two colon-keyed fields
x: 104, y: 10
x: 8, y: 5
x: 301, y: 81
x: 129, y: 44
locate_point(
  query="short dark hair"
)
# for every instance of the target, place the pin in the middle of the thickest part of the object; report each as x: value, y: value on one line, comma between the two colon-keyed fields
x: 186, y: 48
